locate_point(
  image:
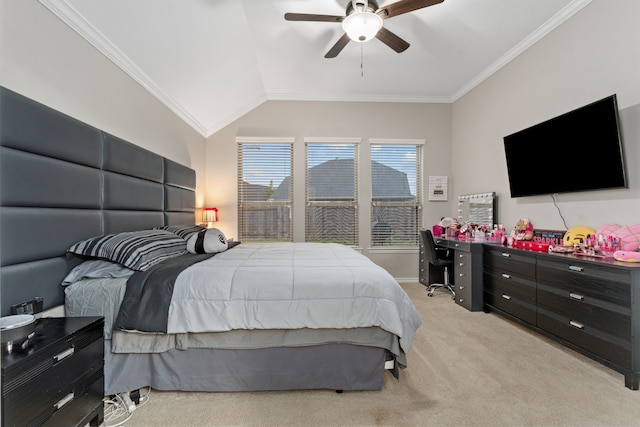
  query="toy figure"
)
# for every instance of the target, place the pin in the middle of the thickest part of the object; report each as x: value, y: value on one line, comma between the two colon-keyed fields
x: 523, y: 230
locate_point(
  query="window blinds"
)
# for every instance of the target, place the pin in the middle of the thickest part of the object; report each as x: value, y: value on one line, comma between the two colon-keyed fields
x: 265, y: 190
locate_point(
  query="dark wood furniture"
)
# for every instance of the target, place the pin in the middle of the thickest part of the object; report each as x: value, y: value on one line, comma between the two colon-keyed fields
x: 466, y: 275
x: 58, y: 380
x: 591, y: 305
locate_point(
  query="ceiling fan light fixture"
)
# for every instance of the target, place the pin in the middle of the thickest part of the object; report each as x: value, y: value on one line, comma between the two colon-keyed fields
x: 362, y: 26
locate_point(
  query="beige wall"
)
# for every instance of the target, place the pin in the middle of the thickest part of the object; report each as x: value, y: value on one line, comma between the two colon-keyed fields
x: 592, y: 55
x: 429, y: 122
x: 44, y: 59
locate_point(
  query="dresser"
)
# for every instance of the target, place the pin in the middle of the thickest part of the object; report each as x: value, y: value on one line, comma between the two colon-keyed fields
x: 59, y: 379
x: 591, y: 305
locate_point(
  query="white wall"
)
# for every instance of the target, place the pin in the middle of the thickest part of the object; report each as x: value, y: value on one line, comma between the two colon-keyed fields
x: 430, y: 122
x: 44, y: 59
x: 592, y: 55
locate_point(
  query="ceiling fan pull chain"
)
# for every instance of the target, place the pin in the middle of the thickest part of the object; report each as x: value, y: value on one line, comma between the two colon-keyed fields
x: 361, y: 60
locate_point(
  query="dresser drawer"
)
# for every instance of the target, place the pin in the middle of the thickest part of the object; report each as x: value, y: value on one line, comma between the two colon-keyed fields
x: 614, y: 319
x: 512, y: 294
x: 597, y: 282
x: 506, y: 260
x: 510, y: 285
x: 593, y: 340
x: 518, y: 308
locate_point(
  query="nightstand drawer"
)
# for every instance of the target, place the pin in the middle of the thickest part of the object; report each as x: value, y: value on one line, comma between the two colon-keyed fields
x: 37, y: 392
x: 59, y: 379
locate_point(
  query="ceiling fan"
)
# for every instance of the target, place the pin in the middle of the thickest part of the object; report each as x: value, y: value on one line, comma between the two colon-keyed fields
x: 363, y: 21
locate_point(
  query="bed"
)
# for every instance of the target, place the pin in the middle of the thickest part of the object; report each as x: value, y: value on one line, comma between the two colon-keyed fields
x: 55, y: 170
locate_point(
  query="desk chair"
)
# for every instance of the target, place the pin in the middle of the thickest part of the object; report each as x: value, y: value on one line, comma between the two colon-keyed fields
x: 437, y: 257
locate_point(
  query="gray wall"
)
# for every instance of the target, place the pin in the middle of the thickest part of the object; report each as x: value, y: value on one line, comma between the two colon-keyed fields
x: 45, y: 60
x: 592, y: 55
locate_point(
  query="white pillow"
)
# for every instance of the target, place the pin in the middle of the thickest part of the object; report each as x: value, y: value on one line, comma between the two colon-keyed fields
x: 209, y: 241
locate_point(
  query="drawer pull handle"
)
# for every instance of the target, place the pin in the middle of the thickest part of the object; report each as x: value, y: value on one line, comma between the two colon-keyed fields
x: 58, y: 357
x: 504, y: 254
x: 506, y: 276
x: 461, y: 264
x: 576, y: 296
x: 461, y: 256
x: 507, y: 297
x: 461, y: 275
x: 457, y: 245
x: 68, y: 398
x: 575, y: 268
x: 461, y: 287
x: 576, y: 324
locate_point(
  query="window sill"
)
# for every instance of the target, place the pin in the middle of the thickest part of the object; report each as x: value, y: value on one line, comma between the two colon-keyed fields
x: 393, y: 250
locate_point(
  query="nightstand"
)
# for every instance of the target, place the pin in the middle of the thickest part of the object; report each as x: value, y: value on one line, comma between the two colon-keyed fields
x: 59, y: 379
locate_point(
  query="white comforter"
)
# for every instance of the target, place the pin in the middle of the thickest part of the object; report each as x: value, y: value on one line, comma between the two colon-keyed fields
x: 290, y: 286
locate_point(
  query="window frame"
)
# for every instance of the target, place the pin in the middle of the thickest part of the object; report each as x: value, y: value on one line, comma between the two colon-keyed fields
x: 418, y: 203
x: 352, y: 203
x: 244, y: 204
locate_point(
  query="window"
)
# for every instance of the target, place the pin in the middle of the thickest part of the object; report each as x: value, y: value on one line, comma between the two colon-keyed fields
x: 265, y: 189
x: 331, y: 191
x: 396, y: 201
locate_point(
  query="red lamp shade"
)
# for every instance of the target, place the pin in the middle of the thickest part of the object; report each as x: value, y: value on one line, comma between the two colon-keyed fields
x: 210, y: 215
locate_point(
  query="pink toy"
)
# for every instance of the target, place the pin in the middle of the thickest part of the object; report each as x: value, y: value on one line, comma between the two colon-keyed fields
x: 627, y: 256
x: 628, y: 237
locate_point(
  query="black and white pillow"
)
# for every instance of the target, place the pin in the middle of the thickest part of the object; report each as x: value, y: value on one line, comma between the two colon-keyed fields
x: 137, y: 250
x: 185, y: 230
x: 208, y: 241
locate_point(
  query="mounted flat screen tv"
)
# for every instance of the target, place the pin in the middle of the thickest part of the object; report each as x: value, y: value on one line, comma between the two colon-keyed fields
x: 578, y: 151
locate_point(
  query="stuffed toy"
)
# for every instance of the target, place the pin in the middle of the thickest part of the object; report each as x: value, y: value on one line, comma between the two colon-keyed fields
x: 523, y: 230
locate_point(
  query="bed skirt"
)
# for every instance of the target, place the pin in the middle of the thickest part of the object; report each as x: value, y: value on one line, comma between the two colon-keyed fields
x: 333, y: 366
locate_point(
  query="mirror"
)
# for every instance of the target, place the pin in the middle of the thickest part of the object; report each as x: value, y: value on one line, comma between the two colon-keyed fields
x: 477, y: 209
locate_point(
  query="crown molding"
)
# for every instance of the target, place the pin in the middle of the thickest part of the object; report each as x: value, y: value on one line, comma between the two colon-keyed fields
x: 556, y: 20
x: 70, y: 16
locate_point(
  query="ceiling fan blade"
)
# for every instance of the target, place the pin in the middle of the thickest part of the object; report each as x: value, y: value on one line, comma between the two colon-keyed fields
x: 337, y: 48
x: 312, y: 17
x: 392, y: 40
x: 404, y: 6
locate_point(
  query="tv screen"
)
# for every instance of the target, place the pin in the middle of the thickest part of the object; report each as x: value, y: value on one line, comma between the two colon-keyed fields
x: 578, y: 151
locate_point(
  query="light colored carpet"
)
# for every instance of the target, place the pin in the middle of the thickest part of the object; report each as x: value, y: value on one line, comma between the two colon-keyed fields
x: 465, y: 369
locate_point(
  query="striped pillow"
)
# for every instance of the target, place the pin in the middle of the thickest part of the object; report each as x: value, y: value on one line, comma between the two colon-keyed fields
x: 137, y: 250
x: 185, y: 231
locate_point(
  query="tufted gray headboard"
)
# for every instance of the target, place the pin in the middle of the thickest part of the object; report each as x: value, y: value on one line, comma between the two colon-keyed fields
x: 62, y: 181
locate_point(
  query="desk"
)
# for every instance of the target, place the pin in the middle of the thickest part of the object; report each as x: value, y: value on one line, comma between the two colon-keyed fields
x: 466, y: 275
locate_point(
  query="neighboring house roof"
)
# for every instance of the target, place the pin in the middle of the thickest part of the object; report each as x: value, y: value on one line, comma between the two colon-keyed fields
x: 333, y: 180
x: 255, y: 192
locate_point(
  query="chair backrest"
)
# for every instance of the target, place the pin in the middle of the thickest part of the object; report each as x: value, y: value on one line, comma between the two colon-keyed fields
x: 429, y: 246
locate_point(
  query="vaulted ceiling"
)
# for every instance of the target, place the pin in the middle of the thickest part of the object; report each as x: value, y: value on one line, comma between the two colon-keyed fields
x: 211, y: 61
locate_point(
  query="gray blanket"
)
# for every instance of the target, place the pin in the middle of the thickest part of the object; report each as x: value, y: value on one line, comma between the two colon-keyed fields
x: 290, y: 286
x: 145, y: 306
